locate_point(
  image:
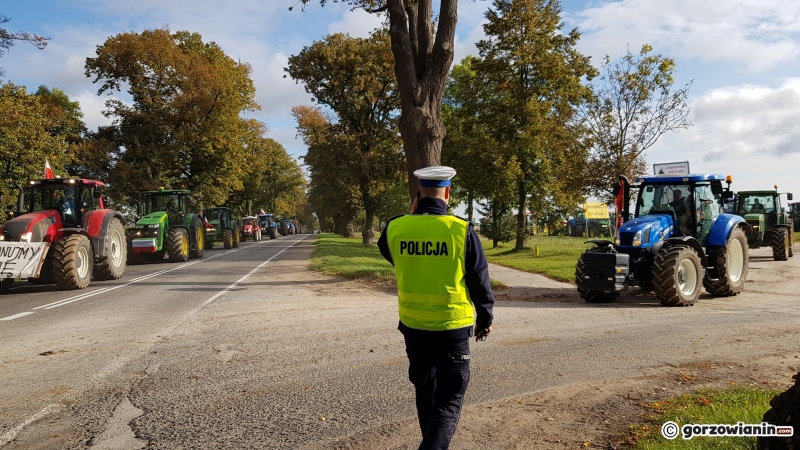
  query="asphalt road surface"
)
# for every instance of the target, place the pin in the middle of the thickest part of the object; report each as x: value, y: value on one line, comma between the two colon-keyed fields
x: 247, y: 349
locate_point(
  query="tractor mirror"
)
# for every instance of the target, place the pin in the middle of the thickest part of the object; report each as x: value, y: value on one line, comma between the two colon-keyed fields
x: 97, y: 193
x: 716, y: 188
x: 789, y: 196
x: 727, y: 194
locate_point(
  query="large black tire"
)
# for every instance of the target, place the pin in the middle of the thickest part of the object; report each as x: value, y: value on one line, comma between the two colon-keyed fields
x: 780, y: 244
x: 273, y: 233
x: 732, y: 266
x: 5, y: 285
x: 677, y: 276
x: 72, y: 262
x: 227, y: 238
x: 199, y: 234
x: 235, y: 240
x: 784, y: 411
x: 591, y: 296
x: 791, y: 239
x: 178, y: 245
x: 112, y: 266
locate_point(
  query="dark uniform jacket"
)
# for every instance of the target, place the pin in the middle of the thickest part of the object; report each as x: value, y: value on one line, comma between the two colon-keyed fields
x: 477, y: 275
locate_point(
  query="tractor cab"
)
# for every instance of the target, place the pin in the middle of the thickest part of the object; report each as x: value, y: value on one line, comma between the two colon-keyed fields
x: 176, y: 203
x: 770, y: 224
x: 70, y: 198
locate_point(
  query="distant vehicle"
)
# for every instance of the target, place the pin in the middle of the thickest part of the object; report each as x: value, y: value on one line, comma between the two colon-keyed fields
x: 224, y: 227
x: 769, y: 225
x: 794, y: 214
x: 580, y: 226
x: 165, y: 223
x: 269, y: 224
x: 251, y: 228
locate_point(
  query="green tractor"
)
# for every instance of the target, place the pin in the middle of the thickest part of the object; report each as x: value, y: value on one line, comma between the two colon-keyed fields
x: 165, y: 223
x: 770, y: 225
x: 222, y: 227
x: 794, y: 214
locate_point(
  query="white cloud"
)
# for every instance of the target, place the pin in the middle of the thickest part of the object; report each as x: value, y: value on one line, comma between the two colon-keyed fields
x: 750, y: 131
x: 758, y: 35
x: 358, y: 23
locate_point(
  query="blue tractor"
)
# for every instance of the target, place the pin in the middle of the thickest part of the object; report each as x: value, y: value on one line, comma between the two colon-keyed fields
x: 679, y: 241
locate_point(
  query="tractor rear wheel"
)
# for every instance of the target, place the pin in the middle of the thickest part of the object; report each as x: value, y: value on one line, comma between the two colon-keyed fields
x: 677, y: 276
x: 227, y: 238
x: 200, y: 239
x: 72, y: 262
x: 590, y: 295
x: 273, y: 233
x: 731, y: 264
x: 789, y: 228
x: 235, y: 240
x: 255, y: 236
x: 112, y: 265
x: 780, y: 244
x: 178, y: 245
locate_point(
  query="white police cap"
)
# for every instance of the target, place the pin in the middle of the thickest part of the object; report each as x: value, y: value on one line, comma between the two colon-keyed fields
x: 435, y: 176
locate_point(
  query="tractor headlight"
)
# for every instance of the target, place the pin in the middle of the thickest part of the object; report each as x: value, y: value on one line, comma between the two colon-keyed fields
x: 637, y: 239
x: 25, y: 237
x: 2, y: 237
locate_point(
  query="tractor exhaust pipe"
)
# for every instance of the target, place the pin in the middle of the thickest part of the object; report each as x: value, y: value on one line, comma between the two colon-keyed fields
x: 20, y: 200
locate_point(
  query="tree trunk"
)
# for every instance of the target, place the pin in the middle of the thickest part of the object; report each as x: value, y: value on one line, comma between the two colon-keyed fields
x: 369, y: 231
x: 521, y: 216
x: 422, y: 130
x: 348, y: 231
x: 470, y: 199
x: 494, y: 243
x: 337, y: 225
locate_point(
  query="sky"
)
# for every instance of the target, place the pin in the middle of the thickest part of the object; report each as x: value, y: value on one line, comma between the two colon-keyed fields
x: 741, y: 56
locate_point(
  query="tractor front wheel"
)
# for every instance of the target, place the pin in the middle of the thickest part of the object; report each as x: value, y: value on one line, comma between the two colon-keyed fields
x: 112, y: 265
x: 780, y: 244
x: 178, y: 245
x: 72, y: 262
x: 731, y: 264
x: 199, y: 239
x: 5, y: 285
x: 677, y: 276
x: 590, y: 295
x: 235, y: 240
x: 227, y: 238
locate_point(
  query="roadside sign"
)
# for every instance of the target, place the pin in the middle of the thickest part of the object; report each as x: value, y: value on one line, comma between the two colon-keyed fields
x: 595, y: 211
x: 21, y: 259
x: 673, y: 168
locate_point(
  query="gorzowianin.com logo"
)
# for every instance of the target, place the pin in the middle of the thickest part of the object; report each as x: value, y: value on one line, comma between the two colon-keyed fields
x: 671, y: 430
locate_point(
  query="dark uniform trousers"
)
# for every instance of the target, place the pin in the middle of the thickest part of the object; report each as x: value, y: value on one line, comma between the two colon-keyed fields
x: 439, y: 370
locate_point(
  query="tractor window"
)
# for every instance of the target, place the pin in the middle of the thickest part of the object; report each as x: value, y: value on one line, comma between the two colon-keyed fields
x: 756, y: 204
x: 709, y: 207
x: 87, y: 199
x: 58, y: 197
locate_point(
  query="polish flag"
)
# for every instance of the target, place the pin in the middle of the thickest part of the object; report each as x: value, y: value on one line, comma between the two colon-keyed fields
x: 48, y: 172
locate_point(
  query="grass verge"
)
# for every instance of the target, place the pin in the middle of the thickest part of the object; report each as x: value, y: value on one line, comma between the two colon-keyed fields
x: 556, y: 259
x: 336, y: 255
x: 729, y: 406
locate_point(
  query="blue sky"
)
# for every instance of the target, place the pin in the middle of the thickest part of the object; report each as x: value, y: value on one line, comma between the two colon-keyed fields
x: 743, y: 57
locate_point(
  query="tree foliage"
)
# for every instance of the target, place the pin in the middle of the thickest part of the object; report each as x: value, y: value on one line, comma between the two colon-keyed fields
x: 635, y: 105
x: 354, y: 78
x: 183, y: 126
x: 32, y: 127
x: 534, y: 74
x: 9, y: 37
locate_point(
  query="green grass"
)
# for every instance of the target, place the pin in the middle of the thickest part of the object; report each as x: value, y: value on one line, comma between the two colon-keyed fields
x: 557, y: 255
x: 730, y: 406
x: 348, y: 258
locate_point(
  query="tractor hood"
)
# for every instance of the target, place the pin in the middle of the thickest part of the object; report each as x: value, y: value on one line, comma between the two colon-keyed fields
x: 645, y: 230
x: 37, y: 223
x: 151, y: 219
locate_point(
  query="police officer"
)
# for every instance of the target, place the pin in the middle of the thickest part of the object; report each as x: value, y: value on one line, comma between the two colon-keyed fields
x: 442, y: 283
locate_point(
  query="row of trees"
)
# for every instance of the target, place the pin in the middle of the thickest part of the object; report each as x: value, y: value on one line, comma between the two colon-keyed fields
x: 179, y: 123
x: 531, y: 125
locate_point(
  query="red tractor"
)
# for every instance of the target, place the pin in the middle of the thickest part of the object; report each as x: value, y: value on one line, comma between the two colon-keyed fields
x: 62, y: 234
x: 251, y: 228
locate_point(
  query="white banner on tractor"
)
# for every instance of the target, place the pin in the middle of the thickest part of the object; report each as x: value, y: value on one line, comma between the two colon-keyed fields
x: 674, y: 168
x: 21, y: 259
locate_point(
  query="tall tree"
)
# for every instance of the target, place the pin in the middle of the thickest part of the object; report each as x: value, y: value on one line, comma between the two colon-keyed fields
x: 8, y: 38
x: 537, y: 73
x: 184, y: 125
x: 354, y: 77
x: 423, y: 52
x: 635, y: 105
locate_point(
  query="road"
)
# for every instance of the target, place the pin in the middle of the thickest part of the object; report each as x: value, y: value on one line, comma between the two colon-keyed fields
x: 247, y: 349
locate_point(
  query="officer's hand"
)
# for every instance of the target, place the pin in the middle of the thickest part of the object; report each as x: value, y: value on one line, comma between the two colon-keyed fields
x: 481, y: 335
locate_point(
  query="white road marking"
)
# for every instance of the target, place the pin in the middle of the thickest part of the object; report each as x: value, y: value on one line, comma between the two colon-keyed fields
x: 11, y: 434
x: 16, y: 316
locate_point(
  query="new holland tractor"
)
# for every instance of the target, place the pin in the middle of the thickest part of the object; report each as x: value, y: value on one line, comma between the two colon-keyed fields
x: 269, y: 224
x: 63, y: 234
x: 165, y: 223
x: 223, y: 227
x: 769, y: 223
x: 679, y: 241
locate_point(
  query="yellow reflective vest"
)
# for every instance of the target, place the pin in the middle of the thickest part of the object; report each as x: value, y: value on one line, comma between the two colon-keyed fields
x: 428, y: 254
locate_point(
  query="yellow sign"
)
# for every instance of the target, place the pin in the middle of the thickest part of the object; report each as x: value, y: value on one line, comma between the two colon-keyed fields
x: 596, y: 211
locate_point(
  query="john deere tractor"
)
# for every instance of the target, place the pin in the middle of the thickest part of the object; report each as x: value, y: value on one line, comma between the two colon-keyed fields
x: 165, y: 223
x: 678, y: 241
x: 63, y: 234
x: 770, y: 225
x: 222, y: 227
